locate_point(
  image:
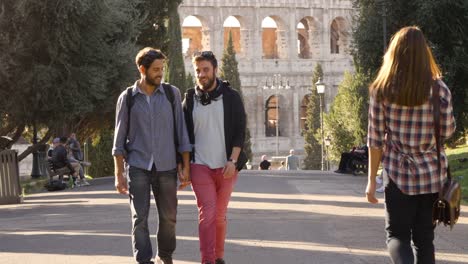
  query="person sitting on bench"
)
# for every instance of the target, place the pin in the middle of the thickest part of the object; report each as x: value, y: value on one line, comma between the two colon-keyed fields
x: 347, y: 157
x: 60, y: 158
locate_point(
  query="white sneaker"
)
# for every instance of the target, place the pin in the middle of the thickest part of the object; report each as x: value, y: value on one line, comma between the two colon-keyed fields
x: 84, y: 182
x: 379, y: 179
x: 78, y: 182
x: 381, y: 189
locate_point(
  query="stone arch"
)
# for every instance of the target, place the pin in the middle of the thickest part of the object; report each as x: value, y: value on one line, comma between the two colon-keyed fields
x: 339, y: 35
x: 233, y: 24
x: 303, y: 112
x: 195, y: 35
x: 274, y: 41
x: 307, y: 37
x: 273, y: 116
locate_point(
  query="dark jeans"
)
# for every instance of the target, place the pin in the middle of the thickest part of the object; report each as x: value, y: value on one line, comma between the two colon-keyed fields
x: 345, y: 158
x: 164, y: 187
x: 408, y: 222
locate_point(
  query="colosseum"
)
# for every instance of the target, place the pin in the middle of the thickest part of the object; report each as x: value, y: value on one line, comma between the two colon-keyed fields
x: 277, y: 43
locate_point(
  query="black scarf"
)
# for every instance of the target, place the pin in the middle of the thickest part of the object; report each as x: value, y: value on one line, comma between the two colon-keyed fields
x: 205, y: 97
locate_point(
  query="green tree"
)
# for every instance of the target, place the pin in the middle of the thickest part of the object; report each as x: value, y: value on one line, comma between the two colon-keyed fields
x: 189, y: 82
x: 176, y: 73
x: 230, y: 73
x: 60, y: 73
x: 313, y: 148
x: 444, y: 25
x: 161, y: 29
x: 102, y: 163
x: 346, y: 122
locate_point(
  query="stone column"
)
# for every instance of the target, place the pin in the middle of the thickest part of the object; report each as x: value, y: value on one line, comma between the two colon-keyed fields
x: 246, y: 43
x: 315, y: 40
x: 282, y: 43
x: 206, y: 39
x: 218, y: 37
x: 325, y: 33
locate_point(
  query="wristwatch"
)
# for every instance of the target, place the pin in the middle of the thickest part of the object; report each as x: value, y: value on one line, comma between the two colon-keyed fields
x: 233, y: 161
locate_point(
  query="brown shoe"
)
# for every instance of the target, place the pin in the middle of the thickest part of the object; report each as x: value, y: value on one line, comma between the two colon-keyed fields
x: 220, y: 261
x: 160, y: 260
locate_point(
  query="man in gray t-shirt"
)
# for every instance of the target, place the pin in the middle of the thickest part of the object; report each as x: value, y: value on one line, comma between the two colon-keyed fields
x: 292, y: 161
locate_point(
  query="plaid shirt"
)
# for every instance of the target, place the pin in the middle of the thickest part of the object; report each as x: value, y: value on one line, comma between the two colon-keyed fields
x: 410, y: 153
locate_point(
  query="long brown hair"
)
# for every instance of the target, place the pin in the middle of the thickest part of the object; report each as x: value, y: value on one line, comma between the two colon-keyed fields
x: 408, y: 70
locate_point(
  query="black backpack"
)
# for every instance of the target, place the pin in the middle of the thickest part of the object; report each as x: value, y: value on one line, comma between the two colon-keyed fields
x: 171, y: 98
x: 55, y: 185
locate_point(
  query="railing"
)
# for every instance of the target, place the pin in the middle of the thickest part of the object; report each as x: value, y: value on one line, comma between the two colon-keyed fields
x: 10, y: 188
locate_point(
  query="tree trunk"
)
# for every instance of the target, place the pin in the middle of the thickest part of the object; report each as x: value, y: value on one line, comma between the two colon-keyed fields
x: 35, y: 147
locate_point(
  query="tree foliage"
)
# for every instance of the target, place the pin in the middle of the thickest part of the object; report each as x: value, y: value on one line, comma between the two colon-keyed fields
x: 313, y: 156
x: 230, y: 73
x: 161, y: 29
x: 102, y: 163
x: 444, y: 25
x: 346, y: 122
x: 62, y: 62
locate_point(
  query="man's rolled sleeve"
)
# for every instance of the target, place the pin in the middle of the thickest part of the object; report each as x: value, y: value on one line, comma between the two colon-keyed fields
x: 121, y: 123
x: 376, y: 126
x: 182, y: 134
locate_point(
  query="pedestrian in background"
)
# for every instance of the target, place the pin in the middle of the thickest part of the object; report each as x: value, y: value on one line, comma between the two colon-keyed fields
x: 265, y: 164
x: 292, y: 161
x: 401, y: 136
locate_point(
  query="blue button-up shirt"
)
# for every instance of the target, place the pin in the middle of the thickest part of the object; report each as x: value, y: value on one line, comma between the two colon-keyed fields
x: 151, y: 135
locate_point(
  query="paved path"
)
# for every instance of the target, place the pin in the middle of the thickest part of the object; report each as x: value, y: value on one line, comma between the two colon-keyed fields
x: 307, y: 217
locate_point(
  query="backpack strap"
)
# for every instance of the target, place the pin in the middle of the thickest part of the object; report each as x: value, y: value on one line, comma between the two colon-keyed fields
x: 171, y: 98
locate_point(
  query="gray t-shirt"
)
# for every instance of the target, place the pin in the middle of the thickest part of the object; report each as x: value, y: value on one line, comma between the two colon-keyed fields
x: 292, y: 162
x: 208, y: 122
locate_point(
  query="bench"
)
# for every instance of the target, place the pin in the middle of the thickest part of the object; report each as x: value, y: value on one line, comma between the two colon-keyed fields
x: 51, y: 171
x: 359, y: 164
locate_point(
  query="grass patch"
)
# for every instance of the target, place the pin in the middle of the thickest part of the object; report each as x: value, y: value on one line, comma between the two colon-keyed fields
x: 458, y: 161
x: 30, y: 186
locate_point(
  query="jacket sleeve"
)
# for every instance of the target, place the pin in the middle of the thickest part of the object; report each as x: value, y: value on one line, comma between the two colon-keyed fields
x: 239, y: 121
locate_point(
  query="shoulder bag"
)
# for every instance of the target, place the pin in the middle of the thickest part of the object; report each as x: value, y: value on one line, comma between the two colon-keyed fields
x: 446, y: 208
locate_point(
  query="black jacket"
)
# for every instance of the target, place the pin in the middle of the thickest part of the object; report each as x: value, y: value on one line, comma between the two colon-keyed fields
x: 60, y: 158
x: 234, y: 120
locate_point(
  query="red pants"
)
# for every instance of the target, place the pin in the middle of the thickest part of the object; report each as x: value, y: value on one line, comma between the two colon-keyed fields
x: 213, y: 193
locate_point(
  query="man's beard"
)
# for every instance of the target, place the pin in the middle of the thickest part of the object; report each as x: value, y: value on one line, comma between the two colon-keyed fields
x: 154, y: 81
x: 209, y: 83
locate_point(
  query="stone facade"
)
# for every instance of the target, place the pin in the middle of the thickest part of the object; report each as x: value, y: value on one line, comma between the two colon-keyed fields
x: 289, y: 50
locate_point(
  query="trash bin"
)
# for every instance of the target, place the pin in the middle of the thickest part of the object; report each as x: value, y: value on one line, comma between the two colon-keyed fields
x: 10, y: 187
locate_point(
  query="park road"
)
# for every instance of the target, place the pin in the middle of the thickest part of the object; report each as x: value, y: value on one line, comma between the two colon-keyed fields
x: 275, y: 217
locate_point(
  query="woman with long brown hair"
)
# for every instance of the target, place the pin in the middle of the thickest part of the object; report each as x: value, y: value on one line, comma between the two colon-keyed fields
x: 401, y: 136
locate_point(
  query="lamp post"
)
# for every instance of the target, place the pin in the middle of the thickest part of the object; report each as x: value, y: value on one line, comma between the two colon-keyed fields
x: 321, y: 90
x: 276, y: 84
x: 85, y: 156
x: 35, y: 172
x: 327, y: 144
x: 384, y: 23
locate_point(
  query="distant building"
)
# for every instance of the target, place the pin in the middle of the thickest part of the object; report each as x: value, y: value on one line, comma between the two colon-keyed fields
x: 274, y: 37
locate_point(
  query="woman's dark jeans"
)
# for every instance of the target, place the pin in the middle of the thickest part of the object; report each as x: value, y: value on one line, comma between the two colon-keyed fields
x: 164, y: 187
x: 408, y: 222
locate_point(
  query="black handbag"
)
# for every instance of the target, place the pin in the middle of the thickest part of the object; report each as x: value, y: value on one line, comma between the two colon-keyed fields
x: 446, y: 208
